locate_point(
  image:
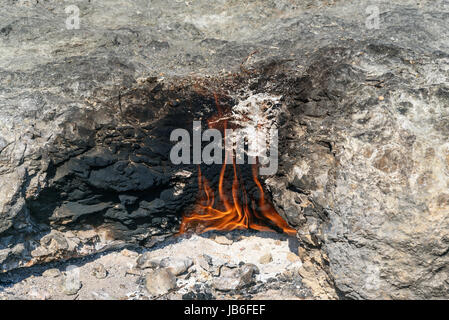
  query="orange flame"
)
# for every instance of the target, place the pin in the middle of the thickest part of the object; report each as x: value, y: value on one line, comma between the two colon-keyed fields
x: 235, y: 214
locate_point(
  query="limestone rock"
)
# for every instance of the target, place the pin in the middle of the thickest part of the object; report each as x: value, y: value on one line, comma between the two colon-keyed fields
x: 176, y: 265
x: 160, y: 281
x: 146, y: 260
x: 51, y: 273
x: 236, y: 278
x: 71, y: 286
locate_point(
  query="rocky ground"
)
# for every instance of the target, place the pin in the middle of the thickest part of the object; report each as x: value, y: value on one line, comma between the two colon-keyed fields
x: 85, y: 116
x: 236, y: 265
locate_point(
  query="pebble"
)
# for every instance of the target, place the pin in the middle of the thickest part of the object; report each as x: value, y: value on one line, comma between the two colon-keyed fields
x: 228, y: 280
x: 223, y: 240
x: 234, y: 279
x: 266, y: 258
x: 146, y: 261
x: 99, y: 271
x: 71, y: 286
x: 51, y: 273
x: 160, y: 281
x: 177, y: 266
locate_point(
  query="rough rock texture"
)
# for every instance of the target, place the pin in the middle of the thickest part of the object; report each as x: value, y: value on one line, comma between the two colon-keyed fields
x: 160, y: 281
x: 233, y: 267
x: 365, y: 161
x: 364, y: 164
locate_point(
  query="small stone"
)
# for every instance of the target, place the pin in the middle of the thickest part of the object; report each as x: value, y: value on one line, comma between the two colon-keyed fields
x: 229, y: 280
x: 177, y: 266
x: 234, y: 279
x: 223, y: 240
x: 203, y: 262
x: 51, y: 273
x: 71, y: 286
x: 292, y: 257
x: 160, y: 281
x: 381, y: 98
x: 129, y: 253
x: 213, y: 264
x: 146, y: 261
x: 266, y: 258
x: 250, y: 267
x: 99, y: 271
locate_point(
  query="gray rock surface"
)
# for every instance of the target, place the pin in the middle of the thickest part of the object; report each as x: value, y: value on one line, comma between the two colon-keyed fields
x: 176, y: 265
x: 125, y: 284
x: 364, y: 161
x: 71, y: 285
x: 235, y: 278
x: 160, y: 281
x: 147, y: 261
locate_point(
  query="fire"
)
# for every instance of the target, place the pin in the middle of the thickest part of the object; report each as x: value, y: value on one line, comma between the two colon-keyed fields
x: 233, y: 209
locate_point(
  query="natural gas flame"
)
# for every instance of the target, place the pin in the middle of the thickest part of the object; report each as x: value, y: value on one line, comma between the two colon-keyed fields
x: 233, y: 209
x: 237, y: 213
